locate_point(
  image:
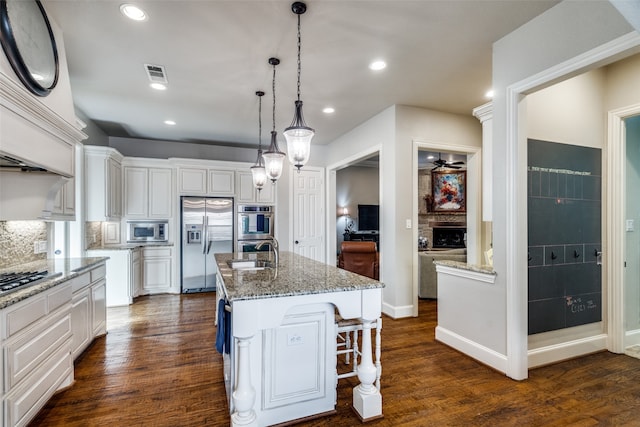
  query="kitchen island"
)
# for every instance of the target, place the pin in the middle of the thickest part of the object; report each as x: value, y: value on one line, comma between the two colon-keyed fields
x: 281, y: 361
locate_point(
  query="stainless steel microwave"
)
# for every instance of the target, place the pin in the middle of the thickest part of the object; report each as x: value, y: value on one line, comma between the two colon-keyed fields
x: 147, y: 231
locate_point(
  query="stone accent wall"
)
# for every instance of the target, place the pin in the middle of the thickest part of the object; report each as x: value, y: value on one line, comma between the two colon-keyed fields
x: 425, y: 218
x: 17, y: 239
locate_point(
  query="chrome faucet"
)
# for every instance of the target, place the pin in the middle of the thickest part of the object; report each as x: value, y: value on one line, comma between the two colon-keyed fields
x: 274, y: 245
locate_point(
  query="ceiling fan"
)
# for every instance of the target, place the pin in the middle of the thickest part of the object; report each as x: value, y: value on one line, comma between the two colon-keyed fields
x: 441, y: 163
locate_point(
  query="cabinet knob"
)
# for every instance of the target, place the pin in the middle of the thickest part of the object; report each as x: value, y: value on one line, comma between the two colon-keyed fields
x: 296, y: 242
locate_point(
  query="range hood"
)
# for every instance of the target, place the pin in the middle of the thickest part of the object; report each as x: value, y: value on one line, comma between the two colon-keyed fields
x: 27, y: 191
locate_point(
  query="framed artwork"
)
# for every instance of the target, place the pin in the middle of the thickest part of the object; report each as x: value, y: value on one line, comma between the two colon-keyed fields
x: 449, y: 191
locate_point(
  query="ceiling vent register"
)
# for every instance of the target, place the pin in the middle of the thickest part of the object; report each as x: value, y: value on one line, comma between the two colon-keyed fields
x: 156, y: 73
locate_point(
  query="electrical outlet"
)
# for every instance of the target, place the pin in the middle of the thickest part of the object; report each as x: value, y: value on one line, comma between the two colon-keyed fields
x: 294, y: 339
x: 42, y: 246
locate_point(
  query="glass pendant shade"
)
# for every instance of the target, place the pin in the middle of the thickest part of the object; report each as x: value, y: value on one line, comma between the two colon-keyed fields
x: 259, y: 172
x: 273, y: 158
x: 298, y: 137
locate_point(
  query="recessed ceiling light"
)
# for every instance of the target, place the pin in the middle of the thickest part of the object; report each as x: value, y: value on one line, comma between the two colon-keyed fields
x: 169, y: 123
x: 329, y: 110
x: 377, y: 65
x: 489, y: 93
x: 133, y: 12
x: 158, y: 86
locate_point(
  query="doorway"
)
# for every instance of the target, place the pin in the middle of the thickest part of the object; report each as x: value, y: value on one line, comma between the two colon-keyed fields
x: 349, y: 196
x: 631, y: 289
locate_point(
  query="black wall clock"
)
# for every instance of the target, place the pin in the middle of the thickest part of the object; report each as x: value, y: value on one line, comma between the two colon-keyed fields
x: 28, y: 42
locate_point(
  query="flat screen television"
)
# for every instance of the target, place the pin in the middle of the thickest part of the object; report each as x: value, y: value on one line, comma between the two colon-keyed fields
x: 368, y: 217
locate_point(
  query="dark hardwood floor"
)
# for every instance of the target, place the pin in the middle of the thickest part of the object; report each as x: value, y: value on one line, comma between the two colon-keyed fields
x: 157, y: 367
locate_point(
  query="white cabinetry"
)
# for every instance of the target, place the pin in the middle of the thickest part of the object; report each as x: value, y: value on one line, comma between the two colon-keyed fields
x: 64, y: 204
x: 148, y: 192
x: 119, y: 275
x: 88, y: 308
x: 247, y: 192
x: 36, y: 341
x: 156, y: 270
x: 195, y: 181
x: 103, y: 189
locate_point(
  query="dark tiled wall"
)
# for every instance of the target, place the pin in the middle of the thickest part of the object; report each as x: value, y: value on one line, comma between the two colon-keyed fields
x: 564, y: 217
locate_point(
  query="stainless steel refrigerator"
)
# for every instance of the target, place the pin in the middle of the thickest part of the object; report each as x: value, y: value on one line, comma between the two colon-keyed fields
x: 207, y: 228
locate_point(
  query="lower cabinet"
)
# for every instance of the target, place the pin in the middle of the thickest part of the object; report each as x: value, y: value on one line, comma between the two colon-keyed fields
x: 156, y: 270
x: 41, y: 336
x: 36, y: 344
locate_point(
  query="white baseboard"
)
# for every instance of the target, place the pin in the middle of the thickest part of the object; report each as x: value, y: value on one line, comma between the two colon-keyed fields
x: 566, y: 350
x: 472, y: 349
x: 632, y: 338
x: 397, y: 312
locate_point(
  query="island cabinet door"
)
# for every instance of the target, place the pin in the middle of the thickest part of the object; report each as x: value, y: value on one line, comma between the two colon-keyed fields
x: 299, y: 365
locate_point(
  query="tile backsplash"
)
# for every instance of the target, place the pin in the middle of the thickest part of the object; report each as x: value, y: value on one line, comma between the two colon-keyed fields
x: 17, y: 239
x: 93, y: 235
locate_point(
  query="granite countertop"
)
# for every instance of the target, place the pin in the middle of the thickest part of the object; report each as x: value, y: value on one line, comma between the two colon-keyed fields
x: 295, y: 275
x: 125, y: 246
x: 485, y: 269
x: 64, y: 269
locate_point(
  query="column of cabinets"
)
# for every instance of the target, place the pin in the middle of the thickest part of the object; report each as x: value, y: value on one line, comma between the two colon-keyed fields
x: 103, y: 183
x: 36, y: 344
x: 147, y: 192
x: 88, y: 309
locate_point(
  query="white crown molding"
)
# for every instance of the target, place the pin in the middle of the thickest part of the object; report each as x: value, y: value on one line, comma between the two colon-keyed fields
x: 18, y: 100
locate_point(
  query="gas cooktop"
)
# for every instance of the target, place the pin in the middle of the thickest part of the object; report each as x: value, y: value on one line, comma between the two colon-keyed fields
x: 13, y: 281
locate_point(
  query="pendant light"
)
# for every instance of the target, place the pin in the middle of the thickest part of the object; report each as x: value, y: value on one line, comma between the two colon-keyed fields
x: 298, y: 135
x: 258, y: 170
x: 273, y: 157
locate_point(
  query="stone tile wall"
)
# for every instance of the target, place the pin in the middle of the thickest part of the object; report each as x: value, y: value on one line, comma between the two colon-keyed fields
x: 17, y: 239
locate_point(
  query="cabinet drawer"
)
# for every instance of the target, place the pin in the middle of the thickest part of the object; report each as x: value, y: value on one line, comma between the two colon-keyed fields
x: 80, y: 282
x: 98, y: 273
x: 24, y: 402
x: 156, y: 253
x: 27, y: 352
x: 31, y: 310
x: 58, y: 296
x: 24, y: 313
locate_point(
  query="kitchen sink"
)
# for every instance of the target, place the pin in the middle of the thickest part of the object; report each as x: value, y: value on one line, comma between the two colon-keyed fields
x: 249, y: 264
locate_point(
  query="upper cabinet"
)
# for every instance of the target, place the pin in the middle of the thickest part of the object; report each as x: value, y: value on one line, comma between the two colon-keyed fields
x: 248, y: 194
x: 64, y: 204
x: 147, y: 191
x: 103, y: 183
x: 194, y: 181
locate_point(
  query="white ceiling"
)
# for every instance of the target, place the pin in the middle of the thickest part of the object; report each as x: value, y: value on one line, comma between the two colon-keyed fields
x: 215, y: 54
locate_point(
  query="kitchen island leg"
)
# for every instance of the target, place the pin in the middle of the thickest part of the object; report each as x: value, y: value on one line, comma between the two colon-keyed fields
x: 367, y: 400
x: 244, y: 395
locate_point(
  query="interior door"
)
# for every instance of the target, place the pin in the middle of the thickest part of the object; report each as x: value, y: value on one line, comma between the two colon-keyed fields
x: 308, y: 213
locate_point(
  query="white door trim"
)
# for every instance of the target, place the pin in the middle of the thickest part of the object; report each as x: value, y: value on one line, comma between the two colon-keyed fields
x: 615, y: 239
x: 516, y: 208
